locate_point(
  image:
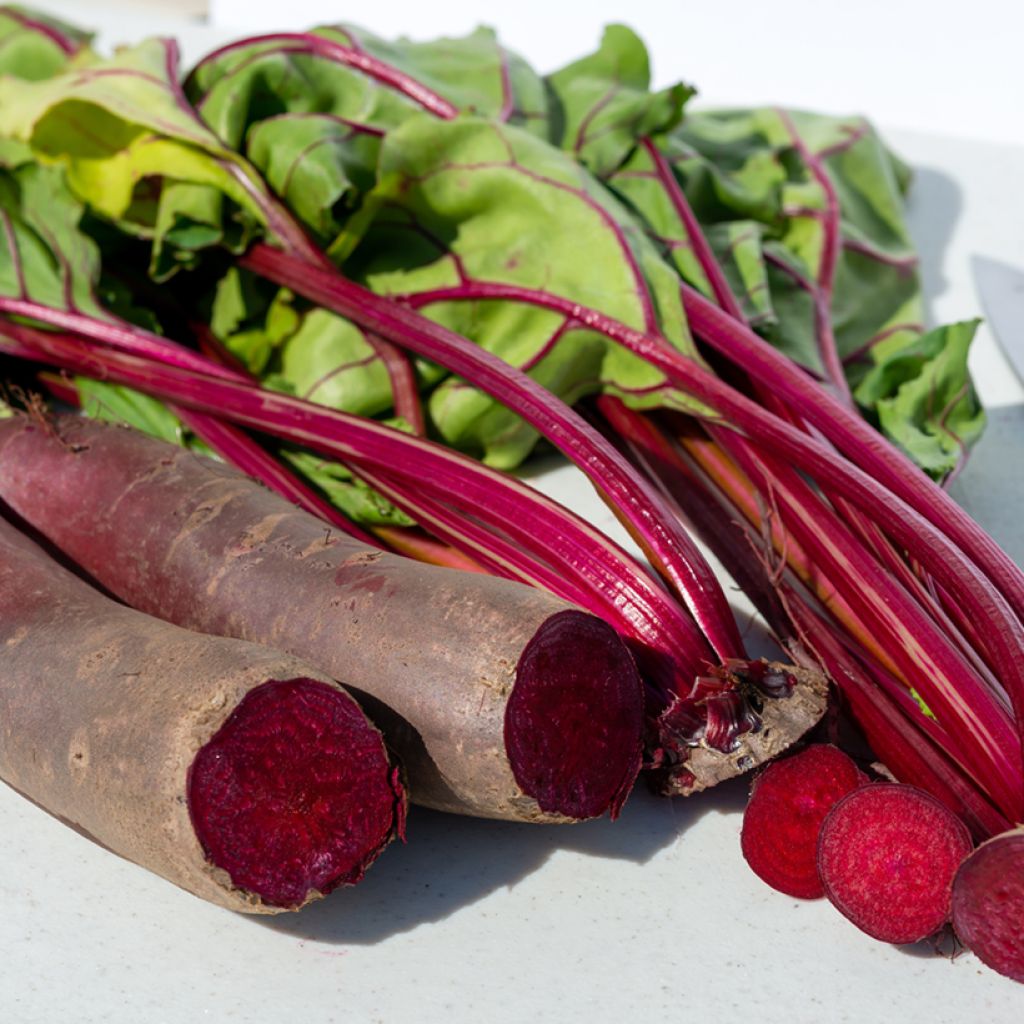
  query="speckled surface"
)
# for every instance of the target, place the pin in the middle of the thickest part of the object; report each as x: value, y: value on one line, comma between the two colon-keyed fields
x: 652, y: 918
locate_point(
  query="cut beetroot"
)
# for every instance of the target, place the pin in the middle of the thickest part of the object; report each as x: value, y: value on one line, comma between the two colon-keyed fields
x: 294, y: 795
x: 781, y: 823
x: 988, y: 903
x: 574, y: 721
x: 887, y: 855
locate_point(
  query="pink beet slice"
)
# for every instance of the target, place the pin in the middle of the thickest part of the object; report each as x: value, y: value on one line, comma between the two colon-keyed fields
x: 988, y: 903
x: 887, y: 855
x: 781, y: 823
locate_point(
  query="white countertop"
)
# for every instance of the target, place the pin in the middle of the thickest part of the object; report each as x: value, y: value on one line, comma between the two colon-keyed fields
x: 655, y: 916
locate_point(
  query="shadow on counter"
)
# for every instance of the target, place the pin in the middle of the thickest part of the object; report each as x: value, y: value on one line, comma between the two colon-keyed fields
x: 451, y: 862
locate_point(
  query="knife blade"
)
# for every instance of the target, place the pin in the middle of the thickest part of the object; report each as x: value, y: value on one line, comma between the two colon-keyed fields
x: 1001, y: 289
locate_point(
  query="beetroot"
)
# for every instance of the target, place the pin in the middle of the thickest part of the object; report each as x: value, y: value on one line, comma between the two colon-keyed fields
x: 887, y: 855
x: 789, y: 802
x: 230, y: 769
x: 988, y: 903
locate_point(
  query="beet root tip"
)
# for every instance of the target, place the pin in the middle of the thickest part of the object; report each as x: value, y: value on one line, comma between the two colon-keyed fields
x: 988, y: 903
x: 887, y: 855
x: 294, y: 795
x: 574, y: 720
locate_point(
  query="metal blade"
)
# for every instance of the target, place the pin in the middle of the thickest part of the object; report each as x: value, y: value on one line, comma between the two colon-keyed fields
x: 1001, y: 288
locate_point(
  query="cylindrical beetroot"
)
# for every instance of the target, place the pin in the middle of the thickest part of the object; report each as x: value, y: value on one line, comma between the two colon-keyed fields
x: 232, y: 770
x: 502, y: 701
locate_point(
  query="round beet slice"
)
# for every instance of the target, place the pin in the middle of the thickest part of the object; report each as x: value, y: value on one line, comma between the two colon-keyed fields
x: 887, y: 855
x: 574, y: 720
x: 988, y: 903
x: 293, y: 795
x: 790, y: 799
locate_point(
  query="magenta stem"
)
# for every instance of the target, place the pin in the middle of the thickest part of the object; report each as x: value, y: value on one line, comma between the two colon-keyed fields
x: 911, y: 756
x: 984, y: 733
x: 865, y: 486
x: 856, y: 439
x: 665, y: 542
x: 821, y: 293
x: 698, y: 240
x: 360, y: 60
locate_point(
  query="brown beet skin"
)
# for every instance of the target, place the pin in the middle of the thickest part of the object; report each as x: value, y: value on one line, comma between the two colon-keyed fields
x: 443, y: 657
x: 232, y: 770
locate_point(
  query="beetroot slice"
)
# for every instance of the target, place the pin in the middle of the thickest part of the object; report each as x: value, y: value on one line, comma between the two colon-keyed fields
x: 574, y: 720
x: 294, y: 794
x: 887, y: 855
x: 988, y: 903
x: 791, y: 797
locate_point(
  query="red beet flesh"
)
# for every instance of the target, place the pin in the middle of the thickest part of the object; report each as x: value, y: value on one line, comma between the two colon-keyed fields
x: 887, y: 855
x: 293, y: 795
x: 783, y: 818
x: 988, y: 903
x: 574, y: 720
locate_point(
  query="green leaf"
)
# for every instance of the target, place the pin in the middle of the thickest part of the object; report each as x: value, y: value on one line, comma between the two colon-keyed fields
x: 252, y: 317
x: 34, y: 46
x: 475, y: 73
x: 762, y: 210
x: 476, y: 200
x: 329, y: 361
x: 319, y: 165
x: 738, y: 246
x: 737, y: 215
x: 49, y: 259
x: 344, y: 491
x: 605, y: 104
x: 125, y: 136
x: 243, y: 86
x: 303, y: 351
x: 112, y: 403
x: 311, y: 124
x: 920, y: 395
x: 742, y: 164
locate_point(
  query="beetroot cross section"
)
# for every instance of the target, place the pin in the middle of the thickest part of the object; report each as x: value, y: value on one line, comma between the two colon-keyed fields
x: 574, y: 721
x: 887, y: 855
x: 791, y: 797
x: 988, y: 903
x: 294, y: 794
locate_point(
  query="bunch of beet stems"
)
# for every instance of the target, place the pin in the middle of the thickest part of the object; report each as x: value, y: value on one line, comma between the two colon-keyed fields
x: 973, y: 682
x: 899, y: 593
x: 875, y: 570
